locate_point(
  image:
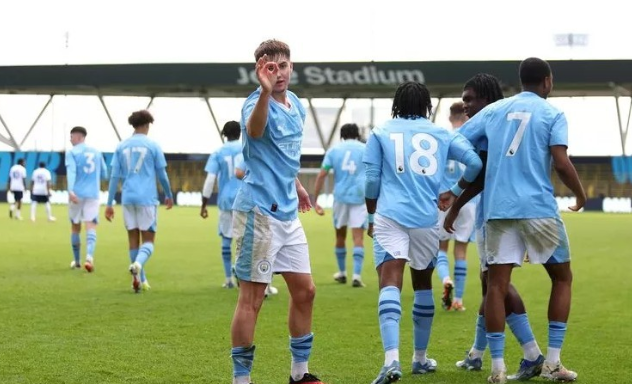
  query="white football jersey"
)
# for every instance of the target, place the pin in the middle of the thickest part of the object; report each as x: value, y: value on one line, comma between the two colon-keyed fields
x: 41, y: 177
x: 17, y: 174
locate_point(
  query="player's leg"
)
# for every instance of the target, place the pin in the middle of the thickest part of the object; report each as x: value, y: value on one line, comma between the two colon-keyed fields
x: 358, y: 256
x: 225, y: 231
x: 464, y: 228
x: 341, y: 217
x: 460, y: 274
x: 133, y: 238
x: 518, y: 322
x: 443, y: 265
x: 75, y: 244
x: 474, y: 358
x: 90, y: 216
x: 18, y: 203
x: 423, y: 248
x: 292, y: 262
x: 391, y: 249
x: 504, y: 248
x: 49, y: 209
x: 254, y: 256
x: 357, y: 223
x: 547, y: 243
x: 12, y: 205
x: 34, y: 201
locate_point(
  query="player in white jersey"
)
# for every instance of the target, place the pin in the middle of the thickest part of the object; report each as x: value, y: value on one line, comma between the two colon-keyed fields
x: 526, y: 136
x: 478, y: 92
x: 41, y: 190
x: 345, y: 159
x: 405, y: 159
x: 269, y: 236
x: 85, y: 168
x: 464, y: 228
x: 17, y: 186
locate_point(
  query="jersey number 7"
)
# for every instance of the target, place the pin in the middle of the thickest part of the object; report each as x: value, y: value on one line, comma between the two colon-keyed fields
x: 524, y: 118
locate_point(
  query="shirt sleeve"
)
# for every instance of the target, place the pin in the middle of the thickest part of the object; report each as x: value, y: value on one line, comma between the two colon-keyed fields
x: 212, y: 165
x: 474, y: 129
x: 459, y: 146
x: 559, y: 131
x: 327, y: 161
x: 161, y: 161
x: 372, y: 151
x: 115, y: 165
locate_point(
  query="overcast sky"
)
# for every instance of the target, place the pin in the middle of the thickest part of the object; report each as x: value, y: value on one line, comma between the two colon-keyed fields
x: 132, y: 31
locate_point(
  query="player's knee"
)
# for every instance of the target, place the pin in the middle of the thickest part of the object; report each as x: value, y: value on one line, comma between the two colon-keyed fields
x: 306, y: 295
x: 513, y: 301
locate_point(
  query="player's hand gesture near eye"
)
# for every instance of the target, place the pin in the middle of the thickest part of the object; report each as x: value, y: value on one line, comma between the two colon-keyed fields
x: 267, y: 73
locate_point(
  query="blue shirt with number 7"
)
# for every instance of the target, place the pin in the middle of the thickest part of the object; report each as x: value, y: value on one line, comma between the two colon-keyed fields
x: 519, y: 131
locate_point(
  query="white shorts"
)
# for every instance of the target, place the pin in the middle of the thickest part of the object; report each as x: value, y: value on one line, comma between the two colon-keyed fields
x: 350, y: 215
x: 265, y: 245
x: 463, y: 225
x: 142, y: 217
x: 418, y: 246
x: 545, y: 240
x: 84, y: 211
x: 480, y: 246
x: 225, y: 225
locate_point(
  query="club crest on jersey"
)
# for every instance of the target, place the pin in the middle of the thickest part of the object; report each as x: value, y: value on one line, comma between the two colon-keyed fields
x: 264, y: 267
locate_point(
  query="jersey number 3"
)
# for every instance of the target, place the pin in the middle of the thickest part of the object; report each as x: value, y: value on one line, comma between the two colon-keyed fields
x: 428, y: 154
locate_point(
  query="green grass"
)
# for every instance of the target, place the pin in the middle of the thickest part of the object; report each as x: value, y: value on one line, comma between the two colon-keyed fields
x: 63, y: 326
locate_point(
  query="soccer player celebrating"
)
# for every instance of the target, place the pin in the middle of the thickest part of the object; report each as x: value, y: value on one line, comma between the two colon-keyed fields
x: 478, y: 92
x: 405, y: 159
x: 221, y: 165
x: 85, y: 167
x: 345, y: 159
x: 525, y: 135
x: 17, y: 175
x: 41, y: 190
x: 464, y: 227
x: 138, y: 161
x: 269, y: 237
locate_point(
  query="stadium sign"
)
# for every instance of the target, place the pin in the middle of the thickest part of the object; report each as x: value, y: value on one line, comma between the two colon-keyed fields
x: 344, y: 74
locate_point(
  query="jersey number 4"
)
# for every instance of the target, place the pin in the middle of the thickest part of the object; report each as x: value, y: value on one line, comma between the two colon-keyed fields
x: 348, y: 164
x: 524, y: 118
x: 428, y: 154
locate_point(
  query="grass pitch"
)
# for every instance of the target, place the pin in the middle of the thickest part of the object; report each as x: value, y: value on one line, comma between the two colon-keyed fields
x: 67, y: 326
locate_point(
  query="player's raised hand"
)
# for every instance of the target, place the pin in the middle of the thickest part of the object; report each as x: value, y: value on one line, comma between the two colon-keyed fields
x: 267, y: 73
x: 169, y: 203
x: 109, y: 213
x: 450, y: 218
x: 318, y: 209
x: 446, y: 199
x: 204, y: 212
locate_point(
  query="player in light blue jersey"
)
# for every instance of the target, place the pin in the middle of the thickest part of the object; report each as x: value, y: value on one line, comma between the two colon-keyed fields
x: 221, y: 164
x: 268, y: 234
x: 405, y: 159
x: 138, y: 161
x: 462, y: 234
x: 480, y: 91
x: 526, y: 135
x: 349, y: 211
x: 85, y: 168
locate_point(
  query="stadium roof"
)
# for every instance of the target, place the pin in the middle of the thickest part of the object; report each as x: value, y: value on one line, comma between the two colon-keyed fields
x: 310, y: 80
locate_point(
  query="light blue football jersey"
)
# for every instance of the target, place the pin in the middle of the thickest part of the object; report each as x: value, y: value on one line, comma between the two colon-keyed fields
x: 413, y: 155
x: 345, y: 158
x: 88, y: 166
x: 273, y: 160
x: 519, y: 131
x: 137, y: 161
x: 222, y: 163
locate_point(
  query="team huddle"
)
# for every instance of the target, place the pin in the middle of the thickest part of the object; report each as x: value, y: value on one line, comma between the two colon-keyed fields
x: 412, y: 187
